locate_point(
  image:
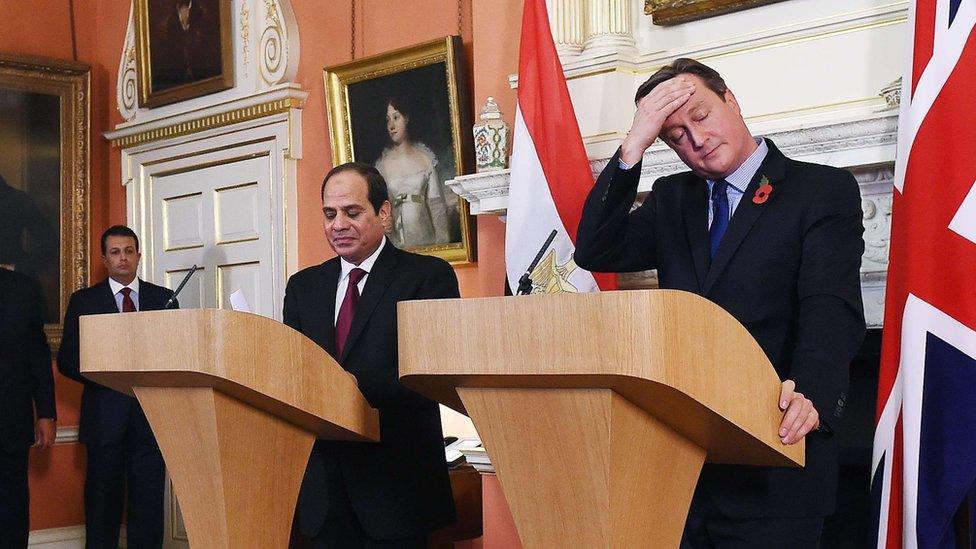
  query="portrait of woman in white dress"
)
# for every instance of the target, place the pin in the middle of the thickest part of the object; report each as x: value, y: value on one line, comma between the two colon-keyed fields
x: 421, y: 212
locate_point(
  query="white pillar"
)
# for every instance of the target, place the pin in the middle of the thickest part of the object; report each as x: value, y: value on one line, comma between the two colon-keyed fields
x: 609, y: 27
x: 567, y: 17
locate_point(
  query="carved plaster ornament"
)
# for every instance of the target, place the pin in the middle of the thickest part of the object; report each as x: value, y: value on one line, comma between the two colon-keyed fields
x: 127, y: 90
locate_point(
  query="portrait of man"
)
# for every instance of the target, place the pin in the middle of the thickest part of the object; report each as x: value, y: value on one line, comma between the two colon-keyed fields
x: 184, y: 38
x: 30, y: 191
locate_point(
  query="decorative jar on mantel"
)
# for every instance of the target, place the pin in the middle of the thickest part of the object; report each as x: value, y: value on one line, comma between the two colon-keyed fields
x: 491, y: 139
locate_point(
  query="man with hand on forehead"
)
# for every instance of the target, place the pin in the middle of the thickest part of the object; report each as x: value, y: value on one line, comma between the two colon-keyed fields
x: 776, y: 243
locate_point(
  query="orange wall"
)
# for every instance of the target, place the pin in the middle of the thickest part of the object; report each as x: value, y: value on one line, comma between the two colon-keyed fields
x: 495, y: 35
x: 499, y: 525
x: 382, y: 25
x: 489, y: 30
x: 326, y: 40
x: 23, y: 33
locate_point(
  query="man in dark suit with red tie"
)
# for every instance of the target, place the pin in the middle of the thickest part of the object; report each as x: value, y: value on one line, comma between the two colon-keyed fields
x: 390, y: 494
x: 124, y: 462
x: 776, y: 243
x: 26, y: 390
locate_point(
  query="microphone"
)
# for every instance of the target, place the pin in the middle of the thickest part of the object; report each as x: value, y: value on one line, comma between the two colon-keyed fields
x: 186, y: 279
x: 525, y: 283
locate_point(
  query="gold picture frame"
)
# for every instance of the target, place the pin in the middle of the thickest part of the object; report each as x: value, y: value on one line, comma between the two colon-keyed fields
x: 44, y: 148
x: 183, y: 53
x: 427, y: 83
x: 672, y: 12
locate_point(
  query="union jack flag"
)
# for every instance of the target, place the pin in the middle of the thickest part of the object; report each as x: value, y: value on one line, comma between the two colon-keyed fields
x: 924, y: 460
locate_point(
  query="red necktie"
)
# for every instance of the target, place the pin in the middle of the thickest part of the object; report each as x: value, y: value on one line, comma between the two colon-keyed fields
x: 128, y: 306
x: 347, y: 310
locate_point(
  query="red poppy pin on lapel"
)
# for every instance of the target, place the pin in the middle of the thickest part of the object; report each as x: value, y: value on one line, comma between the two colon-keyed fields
x: 763, y: 192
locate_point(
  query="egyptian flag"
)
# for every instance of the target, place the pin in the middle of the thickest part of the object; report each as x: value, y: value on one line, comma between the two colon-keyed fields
x: 550, y: 172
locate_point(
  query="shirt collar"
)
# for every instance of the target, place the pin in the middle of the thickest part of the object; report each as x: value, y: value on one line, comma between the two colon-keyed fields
x: 366, y: 265
x: 117, y: 286
x: 742, y: 175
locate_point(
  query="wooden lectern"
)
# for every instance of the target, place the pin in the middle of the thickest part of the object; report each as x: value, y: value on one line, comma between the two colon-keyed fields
x: 598, y: 410
x: 235, y: 401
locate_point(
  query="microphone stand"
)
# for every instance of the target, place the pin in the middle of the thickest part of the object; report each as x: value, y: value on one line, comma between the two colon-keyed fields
x: 525, y: 282
x: 172, y: 298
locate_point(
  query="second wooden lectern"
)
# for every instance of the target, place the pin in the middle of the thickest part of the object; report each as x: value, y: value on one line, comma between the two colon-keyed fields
x: 235, y: 401
x: 598, y: 410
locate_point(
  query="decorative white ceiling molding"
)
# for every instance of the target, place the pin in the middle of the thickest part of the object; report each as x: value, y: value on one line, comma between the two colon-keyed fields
x: 811, y: 29
x: 265, y: 33
x: 581, y: 62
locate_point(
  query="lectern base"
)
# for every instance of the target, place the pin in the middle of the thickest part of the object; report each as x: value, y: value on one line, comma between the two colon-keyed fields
x: 236, y: 469
x: 602, y: 472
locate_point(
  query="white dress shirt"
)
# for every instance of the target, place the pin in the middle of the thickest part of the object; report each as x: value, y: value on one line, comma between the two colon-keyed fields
x: 739, y: 179
x: 117, y: 291
x: 344, y: 269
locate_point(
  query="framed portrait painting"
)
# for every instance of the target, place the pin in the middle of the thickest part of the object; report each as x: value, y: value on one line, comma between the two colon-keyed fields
x: 406, y: 113
x: 44, y: 152
x: 184, y: 49
x: 672, y: 12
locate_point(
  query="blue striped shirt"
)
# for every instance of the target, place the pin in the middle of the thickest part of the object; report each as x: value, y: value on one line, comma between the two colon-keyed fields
x: 739, y: 179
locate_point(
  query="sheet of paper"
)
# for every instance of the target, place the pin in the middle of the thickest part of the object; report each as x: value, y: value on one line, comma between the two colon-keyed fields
x: 238, y: 302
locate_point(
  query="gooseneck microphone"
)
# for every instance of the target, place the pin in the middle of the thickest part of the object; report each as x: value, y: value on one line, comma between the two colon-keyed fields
x: 172, y: 299
x: 525, y: 282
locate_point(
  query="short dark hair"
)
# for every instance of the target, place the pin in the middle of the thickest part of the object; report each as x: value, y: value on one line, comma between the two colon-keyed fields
x: 378, y: 192
x: 118, y: 230
x: 684, y: 65
x: 406, y: 108
x: 401, y: 104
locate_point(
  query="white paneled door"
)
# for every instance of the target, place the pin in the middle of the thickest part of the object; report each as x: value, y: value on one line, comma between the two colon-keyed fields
x: 218, y: 214
x: 218, y: 218
x: 216, y: 187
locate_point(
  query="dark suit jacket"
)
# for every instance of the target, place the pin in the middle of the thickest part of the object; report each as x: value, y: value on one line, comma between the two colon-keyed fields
x: 788, y: 270
x: 26, y: 380
x: 104, y: 412
x: 400, y: 487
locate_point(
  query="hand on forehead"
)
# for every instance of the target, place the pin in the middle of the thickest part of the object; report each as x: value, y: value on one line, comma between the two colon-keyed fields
x: 663, y: 96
